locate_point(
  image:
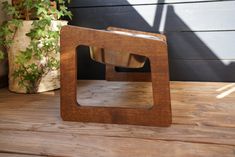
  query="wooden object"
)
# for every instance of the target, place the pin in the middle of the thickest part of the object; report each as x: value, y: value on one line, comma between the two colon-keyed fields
x: 203, y: 125
x: 112, y: 75
x: 120, y: 59
x: 156, y: 50
x: 123, y: 59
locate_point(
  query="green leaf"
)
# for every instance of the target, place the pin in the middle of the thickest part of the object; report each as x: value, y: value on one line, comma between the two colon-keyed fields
x: 39, y: 57
x: 41, y: 11
x: 2, y: 56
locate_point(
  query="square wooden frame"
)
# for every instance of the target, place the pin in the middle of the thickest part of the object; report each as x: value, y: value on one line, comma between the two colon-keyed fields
x: 155, y: 50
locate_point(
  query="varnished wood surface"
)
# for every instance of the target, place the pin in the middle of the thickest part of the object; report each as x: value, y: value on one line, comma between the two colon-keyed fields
x: 203, y: 123
x: 155, y: 50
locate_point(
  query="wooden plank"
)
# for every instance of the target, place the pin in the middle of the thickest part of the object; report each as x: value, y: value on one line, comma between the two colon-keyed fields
x: 213, y: 52
x: 160, y: 112
x: 202, y: 45
x: 202, y: 70
x: 199, y: 115
x: 201, y: 56
x: 180, y: 69
x: 186, y: 133
x: 182, y: 45
x: 197, y: 70
x: 18, y: 155
x: 203, y: 123
x: 63, y: 144
x: 163, y: 18
x: 93, y: 97
x: 95, y: 3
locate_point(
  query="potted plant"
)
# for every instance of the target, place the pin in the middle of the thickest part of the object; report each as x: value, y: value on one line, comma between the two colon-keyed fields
x: 31, y: 39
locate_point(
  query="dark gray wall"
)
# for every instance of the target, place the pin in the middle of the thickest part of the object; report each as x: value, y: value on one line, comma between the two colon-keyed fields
x: 201, y: 33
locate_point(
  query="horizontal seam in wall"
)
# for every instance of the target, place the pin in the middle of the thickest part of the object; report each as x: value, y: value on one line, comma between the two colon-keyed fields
x: 186, y: 31
x: 184, y: 59
x: 130, y: 5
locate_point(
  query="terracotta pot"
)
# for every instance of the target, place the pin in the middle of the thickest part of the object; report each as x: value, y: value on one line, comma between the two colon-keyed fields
x: 51, y: 80
x: 120, y: 59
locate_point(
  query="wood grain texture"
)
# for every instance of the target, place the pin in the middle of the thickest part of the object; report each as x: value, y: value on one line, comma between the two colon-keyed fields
x: 155, y: 50
x: 59, y: 144
x: 120, y: 91
x: 122, y: 59
x: 18, y: 155
x: 203, y: 125
x: 112, y: 75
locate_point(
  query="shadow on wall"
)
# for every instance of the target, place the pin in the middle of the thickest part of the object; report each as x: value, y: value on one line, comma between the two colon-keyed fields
x: 190, y: 58
x: 189, y: 55
x: 3, y: 64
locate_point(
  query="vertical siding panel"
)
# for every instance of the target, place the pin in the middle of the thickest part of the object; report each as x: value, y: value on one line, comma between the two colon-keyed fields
x: 200, y: 33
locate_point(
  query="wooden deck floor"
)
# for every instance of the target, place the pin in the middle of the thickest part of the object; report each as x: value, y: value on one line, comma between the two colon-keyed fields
x: 203, y: 123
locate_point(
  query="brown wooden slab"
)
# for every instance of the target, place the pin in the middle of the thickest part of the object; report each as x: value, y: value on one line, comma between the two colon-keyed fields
x: 156, y: 50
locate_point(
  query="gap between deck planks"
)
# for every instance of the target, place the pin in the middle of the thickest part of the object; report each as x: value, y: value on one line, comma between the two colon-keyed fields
x: 18, y: 155
x: 202, y: 124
